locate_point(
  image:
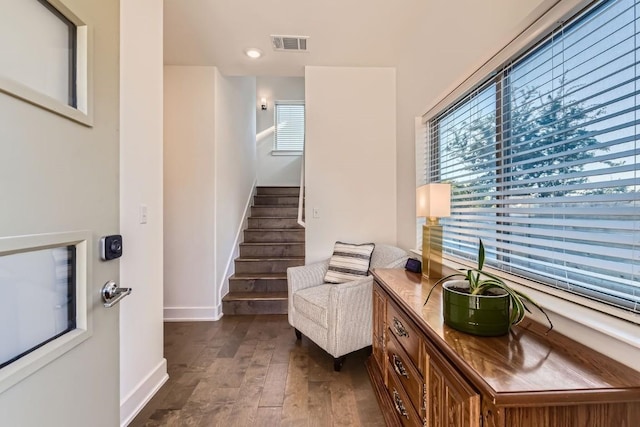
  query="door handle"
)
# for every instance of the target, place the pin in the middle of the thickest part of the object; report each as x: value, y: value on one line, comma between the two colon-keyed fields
x: 112, y: 294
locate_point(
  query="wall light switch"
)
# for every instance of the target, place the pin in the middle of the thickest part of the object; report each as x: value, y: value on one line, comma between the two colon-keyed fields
x: 143, y: 214
x: 316, y: 212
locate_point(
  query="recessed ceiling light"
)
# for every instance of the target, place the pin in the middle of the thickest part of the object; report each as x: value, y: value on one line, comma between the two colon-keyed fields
x: 253, y: 53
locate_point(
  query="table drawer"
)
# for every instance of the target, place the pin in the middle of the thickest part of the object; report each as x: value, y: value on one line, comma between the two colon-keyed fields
x: 404, y: 331
x: 406, y: 373
x: 400, y: 401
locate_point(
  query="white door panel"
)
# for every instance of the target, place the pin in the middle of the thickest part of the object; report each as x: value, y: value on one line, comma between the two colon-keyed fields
x: 58, y: 176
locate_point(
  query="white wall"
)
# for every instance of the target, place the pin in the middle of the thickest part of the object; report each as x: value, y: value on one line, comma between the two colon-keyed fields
x: 235, y: 169
x: 143, y: 368
x: 350, y: 168
x: 275, y: 170
x: 189, y: 196
x: 209, y: 175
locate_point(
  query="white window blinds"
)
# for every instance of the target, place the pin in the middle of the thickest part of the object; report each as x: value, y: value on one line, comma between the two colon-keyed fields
x: 289, y: 126
x: 543, y: 158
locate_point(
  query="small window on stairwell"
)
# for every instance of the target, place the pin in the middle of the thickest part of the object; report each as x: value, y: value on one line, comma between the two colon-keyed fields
x: 289, y: 132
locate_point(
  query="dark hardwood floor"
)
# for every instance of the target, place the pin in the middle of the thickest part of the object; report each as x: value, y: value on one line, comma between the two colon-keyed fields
x: 251, y: 371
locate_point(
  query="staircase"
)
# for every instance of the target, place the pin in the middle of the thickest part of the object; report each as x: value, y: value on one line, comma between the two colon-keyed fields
x: 273, y: 241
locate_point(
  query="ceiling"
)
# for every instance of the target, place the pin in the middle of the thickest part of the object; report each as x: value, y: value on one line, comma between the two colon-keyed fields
x: 342, y: 33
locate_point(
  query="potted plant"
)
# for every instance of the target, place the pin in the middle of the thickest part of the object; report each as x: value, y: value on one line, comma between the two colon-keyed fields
x: 482, y: 303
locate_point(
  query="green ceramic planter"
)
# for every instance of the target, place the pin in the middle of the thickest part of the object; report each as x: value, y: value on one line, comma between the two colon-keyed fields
x: 485, y: 315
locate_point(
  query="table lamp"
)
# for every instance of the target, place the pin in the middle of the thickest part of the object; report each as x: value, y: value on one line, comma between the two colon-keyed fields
x: 433, y: 201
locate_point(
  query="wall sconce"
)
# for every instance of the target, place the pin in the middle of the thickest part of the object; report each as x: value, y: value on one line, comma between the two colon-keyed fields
x: 433, y: 201
x: 263, y: 103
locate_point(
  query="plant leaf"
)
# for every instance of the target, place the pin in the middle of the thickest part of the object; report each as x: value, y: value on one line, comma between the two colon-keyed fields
x: 480, y: 255
x: 528, y: 299
x: 517, y: 310
x: 485, y: 285
x: 494, y: 277
x: 438, y: 282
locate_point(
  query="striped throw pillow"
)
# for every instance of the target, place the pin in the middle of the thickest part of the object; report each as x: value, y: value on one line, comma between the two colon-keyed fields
x: 349, y: 262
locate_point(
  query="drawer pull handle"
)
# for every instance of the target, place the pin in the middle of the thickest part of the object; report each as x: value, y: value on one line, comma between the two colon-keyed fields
x: 399, y: 404
x: 399, y: 367
x: 399, y: 329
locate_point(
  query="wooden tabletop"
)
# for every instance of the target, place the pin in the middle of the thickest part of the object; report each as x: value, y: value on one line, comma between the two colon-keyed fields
x: 545, y: 368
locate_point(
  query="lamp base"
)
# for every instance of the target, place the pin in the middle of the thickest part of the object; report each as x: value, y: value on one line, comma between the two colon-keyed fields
x: 432, y: 251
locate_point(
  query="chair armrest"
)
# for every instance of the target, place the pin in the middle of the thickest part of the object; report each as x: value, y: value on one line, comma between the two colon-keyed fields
x: 350, y: 308
x: 399, y: 263
x: 353, y: 289
x: 302, y: 277
x: 305, y: 276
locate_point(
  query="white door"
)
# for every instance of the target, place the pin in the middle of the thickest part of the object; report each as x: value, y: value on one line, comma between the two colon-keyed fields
x: 60, y: 176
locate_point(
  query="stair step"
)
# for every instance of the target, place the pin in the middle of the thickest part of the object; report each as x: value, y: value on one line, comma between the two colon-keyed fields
x: 271, y: 249
x: 275, y: 200
x: 266, y: 265
x: 289, y: 191
x: 274, y: 235
x: 273, y: 222
x: 266, y: 276
x: 275, y: 282
x: 255, y: 303
x: 273, y: 242
x: 256, y: 296
x: 274, y: 211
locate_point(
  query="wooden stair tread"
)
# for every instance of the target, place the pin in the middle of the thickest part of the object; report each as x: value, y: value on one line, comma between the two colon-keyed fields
x: 270, y: 258
x: 256, y: 296
x: 297, y: 230
x: 271, y: 244
x: 263, y: 276
x: 273, y: 217
x: 285, y: 208
x: 265, y: 197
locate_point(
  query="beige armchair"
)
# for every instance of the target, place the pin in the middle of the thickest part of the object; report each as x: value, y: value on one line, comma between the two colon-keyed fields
x: 337, y: 317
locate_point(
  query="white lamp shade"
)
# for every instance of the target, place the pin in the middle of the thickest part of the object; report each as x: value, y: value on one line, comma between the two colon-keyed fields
x: 433, y: 200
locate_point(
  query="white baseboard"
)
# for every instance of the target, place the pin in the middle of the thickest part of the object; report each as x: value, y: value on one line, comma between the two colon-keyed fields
x: 192, y: 314
x: 131, y: 405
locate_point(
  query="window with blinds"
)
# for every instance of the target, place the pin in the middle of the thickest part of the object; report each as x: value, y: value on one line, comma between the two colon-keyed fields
x: 543, y: 158
x: 289, y: 126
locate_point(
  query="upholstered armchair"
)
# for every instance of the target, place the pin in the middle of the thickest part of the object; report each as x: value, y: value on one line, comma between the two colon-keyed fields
x: 337, y: 317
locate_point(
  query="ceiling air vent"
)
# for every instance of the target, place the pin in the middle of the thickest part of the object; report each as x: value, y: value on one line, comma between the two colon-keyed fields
x: 289, y: 43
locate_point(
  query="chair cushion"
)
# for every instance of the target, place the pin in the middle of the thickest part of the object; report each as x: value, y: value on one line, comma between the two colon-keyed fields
x: 349, y: 262
x: 313, y: 302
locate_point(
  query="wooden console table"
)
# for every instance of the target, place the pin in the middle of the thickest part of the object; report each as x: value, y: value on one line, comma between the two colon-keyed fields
x: 427, y: 374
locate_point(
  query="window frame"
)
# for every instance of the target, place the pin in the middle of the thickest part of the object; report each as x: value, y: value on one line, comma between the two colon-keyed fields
x: 73, y: 52
x: 31, y: 362
x: 492, y: 71
x: 281, y: 152
x: 69, y: 294
x: 79, y: 107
